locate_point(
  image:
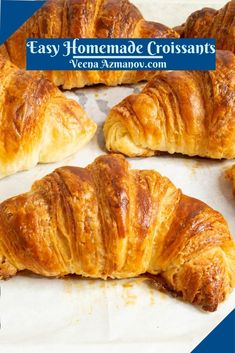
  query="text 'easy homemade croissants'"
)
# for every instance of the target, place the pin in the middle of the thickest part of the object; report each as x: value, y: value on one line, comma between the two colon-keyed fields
x: 38, y: 124
x: 86, y: 19
x: 107, y: 220
x: 210, y: 23
x: 188, y: 112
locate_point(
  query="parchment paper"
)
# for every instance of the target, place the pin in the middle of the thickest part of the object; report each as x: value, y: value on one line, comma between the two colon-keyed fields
x: 78, y: 315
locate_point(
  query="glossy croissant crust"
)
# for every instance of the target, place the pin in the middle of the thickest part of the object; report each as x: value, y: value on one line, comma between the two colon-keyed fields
x: 38, y: 124
x: 210, y: 23
x: 86, y: 19
x: 107, y: 220
x: 188, y: 112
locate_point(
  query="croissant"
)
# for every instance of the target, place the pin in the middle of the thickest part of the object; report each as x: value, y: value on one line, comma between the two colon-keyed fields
x: 230, y: 174
x: 188, y: 112
x: 107, y: 220
x: 210, y: 23
x: 86, y: 19
x: 38, y: 124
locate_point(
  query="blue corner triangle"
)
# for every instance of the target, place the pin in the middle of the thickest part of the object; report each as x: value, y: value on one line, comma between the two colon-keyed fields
x: 221, y: 339
x: 14, y: 13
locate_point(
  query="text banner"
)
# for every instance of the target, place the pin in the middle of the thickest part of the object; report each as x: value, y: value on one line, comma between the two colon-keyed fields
x: 120, y: 54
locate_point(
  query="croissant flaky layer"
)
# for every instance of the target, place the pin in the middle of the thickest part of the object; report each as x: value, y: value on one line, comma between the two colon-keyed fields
x: 38, y: 124
x: 107, y: 220
x: 189, y: 112
x: 210, y: 23
x: 86, y: 19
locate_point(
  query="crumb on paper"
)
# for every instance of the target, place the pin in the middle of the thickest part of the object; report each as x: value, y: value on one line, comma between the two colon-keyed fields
x: 102, y: 284
x: 114, y: 283
x: 128, y: 297
x: 127, y: 285
x: 193, y: 165
x: 152, y: 296
x: 68, y: 285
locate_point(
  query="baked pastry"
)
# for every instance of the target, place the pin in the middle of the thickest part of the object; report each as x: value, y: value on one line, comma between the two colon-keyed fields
x: 210, y: 23
x: 230, y: 174
x: 38, y: 124
x: 108, y: 221
x: 86, y: 19
x: 188, y: 112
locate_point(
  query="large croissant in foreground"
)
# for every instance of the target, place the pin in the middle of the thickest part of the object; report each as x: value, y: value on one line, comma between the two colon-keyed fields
x: 210, y: 23
x: 178, y: 112
x: 86, y: 19
x: 38, y: 124
x: 107, y: 220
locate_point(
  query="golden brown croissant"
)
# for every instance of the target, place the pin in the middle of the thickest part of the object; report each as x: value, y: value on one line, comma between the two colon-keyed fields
x: 230, y: 174
x: 38, y: 124
x: 210, y: 23
x: 107, y: 220
x: 86, y: 19
x: 179, y: 112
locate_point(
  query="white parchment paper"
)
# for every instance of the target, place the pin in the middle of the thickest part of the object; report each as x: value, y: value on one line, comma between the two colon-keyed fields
x: 78, y: 315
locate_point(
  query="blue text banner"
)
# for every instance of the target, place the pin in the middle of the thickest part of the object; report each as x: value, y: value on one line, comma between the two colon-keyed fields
x: 120, y: 54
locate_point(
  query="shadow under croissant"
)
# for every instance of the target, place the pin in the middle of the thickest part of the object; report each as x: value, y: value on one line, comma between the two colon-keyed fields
x: 153, y: 281
x: 163, y: 154
x: 203, y: 160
